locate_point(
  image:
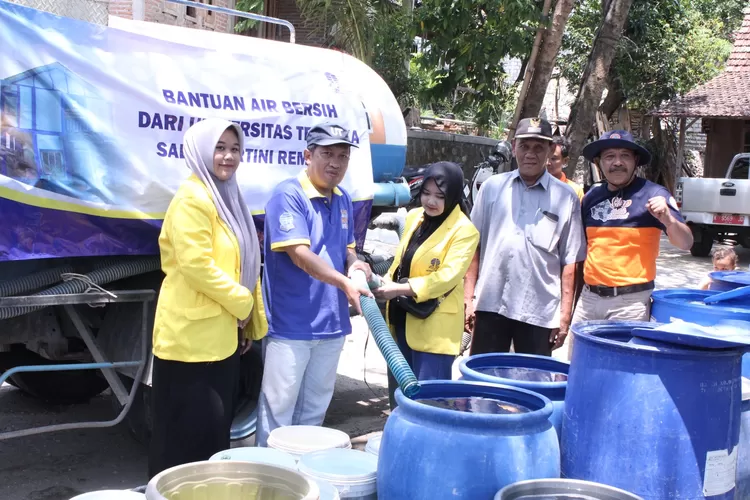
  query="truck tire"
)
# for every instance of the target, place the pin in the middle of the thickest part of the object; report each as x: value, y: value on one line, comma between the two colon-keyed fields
x: 7, y: 361
x: 68, y: 387
x: 138, y: 420
x: 702, y: 248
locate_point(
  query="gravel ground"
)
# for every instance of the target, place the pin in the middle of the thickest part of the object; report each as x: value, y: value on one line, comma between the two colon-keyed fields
x: 61, y: 465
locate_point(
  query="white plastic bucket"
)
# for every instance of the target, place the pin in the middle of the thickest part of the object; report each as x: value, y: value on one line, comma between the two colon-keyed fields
x: 353, y: 473
x: 111, y: 495
x: 297, y: 440
x: 268, y: 456
x: 373, y: 444
x: 327, y: 490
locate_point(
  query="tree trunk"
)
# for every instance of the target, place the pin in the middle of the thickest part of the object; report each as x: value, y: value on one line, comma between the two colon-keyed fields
x: 614, y: 98
x: 529, y: 70
x: 594, y: 78
x: 545, y: 62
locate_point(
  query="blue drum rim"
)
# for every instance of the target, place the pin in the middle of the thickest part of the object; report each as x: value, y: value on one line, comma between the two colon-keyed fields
x: 726, y: 277
x: 512, y: 360
x: 540, y: 406
x: 584, y: 333
x: 671, y: 297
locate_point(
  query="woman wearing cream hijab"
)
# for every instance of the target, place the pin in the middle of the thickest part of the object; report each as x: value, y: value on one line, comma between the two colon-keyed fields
x: 210, y: 307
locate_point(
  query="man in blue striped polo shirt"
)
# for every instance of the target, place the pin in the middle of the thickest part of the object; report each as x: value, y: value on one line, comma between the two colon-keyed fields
x: 309, y: 254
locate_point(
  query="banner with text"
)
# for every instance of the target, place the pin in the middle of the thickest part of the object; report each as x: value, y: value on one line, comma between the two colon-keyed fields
x: 92, y: 120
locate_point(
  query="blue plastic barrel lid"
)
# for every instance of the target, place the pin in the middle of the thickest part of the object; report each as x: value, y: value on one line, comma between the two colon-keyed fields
x: 339, y: 464
x: 738, y: 294
x: 725, y: 335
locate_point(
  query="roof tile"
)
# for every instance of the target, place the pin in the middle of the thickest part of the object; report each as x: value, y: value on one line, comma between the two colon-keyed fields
x: 726, y: 96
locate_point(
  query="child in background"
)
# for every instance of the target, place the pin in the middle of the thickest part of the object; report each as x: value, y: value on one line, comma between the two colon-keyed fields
x: 725, y: 259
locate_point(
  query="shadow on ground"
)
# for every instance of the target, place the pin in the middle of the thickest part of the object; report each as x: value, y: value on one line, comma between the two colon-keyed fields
x: 358, y: 410
x: 58, y: 466
x: 679, y: 269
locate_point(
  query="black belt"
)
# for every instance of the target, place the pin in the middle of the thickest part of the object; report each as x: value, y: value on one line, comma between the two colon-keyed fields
x: 614, y: 291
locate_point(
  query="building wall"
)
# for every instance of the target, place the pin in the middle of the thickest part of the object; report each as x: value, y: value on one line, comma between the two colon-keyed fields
x: 430, y: 146
x: 121, y: 8
x: 159, y: 11
x: 725, y: 139
x: 288, y: 11
x: 695, y: 139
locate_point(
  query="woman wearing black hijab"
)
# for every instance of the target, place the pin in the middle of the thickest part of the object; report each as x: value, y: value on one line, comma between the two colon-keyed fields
x: 436, y: 249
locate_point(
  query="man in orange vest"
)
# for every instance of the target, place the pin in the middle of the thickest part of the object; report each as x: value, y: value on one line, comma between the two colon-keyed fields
x: 557, y: 161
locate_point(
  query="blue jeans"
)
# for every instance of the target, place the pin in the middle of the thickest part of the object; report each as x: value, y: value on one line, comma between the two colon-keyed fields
x: 426, y: 366
x: 298, y: 381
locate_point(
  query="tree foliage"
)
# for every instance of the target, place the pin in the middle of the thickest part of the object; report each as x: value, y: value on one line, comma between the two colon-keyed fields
x: 393, y: 41
x: 378, y: 32
x: 464, y: 44
x: 251, y: 6
x: 350, y: 25
x: 668, y: 48
x: 727, y: 13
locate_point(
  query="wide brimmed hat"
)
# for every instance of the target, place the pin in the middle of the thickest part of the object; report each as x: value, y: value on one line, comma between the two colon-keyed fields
x: 616, y: 139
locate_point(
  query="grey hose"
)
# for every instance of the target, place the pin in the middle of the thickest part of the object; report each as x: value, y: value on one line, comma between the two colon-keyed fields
x: 391, y: 222
x: 100, y: 276
x: 394, y: 223
x: 33, y: 281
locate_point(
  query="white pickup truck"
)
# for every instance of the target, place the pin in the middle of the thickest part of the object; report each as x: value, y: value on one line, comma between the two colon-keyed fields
x: 717, y: 209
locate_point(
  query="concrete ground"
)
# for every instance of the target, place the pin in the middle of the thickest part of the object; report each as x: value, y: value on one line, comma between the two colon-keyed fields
x: 61, y: 465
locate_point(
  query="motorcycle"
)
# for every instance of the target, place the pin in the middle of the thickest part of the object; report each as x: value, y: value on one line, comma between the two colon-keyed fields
x: 500, y: 158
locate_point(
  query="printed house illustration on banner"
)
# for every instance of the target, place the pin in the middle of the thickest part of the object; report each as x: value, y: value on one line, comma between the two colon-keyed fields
x: 48, y: 138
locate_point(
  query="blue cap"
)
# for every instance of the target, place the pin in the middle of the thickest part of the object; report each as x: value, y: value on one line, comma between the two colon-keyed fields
x: 616, y: 139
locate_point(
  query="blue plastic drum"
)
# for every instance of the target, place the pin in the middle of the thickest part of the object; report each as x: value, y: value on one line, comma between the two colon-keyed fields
x: 743, y: 461
x: 541, y: 374
x: 661, y: 421
x: 465, y: 441
x: 682, y: 304
x: 722, y: 281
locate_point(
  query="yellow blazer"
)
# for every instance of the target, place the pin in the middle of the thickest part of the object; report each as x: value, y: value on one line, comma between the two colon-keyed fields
x: 438, y: 266
x: 201, y: 298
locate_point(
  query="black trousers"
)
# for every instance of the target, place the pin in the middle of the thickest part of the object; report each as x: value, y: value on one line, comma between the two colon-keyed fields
x: 192, y: 408
x: 494, y: 333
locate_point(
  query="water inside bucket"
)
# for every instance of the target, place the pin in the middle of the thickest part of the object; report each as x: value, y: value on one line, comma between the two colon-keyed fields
x: 523, y: 373
x: 230, y: 480
x: 475, y: 404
